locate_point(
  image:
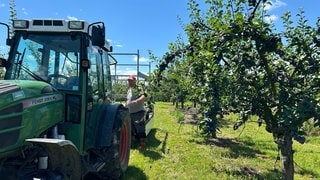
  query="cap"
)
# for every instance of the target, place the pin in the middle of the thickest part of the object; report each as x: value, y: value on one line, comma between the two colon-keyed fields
x: 131, y: 77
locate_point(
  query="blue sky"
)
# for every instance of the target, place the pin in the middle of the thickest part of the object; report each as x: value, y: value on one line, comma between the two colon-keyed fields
x: 133, y: 25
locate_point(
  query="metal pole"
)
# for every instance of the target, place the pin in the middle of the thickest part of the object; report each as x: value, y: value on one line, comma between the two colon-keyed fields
x: 123, y: 53
x: 137, y: 64
x: 138, y: 56
x: 115, y: 73
x: 133, y: 64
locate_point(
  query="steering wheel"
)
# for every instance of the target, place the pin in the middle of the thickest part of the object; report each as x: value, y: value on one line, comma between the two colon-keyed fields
x: 61, y: 80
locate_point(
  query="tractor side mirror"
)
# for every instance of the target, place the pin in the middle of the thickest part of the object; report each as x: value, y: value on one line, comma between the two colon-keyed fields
x: 8, y: 41
x: 98, y: 35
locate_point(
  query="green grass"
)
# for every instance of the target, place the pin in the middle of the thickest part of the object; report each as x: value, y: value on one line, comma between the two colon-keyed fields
x: 180, y: 152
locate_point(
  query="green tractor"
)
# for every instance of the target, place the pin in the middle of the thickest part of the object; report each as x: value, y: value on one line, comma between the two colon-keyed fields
x: 55, y: 119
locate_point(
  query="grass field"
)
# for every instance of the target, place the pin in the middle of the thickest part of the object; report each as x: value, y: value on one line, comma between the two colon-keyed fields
x: 179, y: 152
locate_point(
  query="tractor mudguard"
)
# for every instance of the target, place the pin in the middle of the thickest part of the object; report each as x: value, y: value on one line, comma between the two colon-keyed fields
x: 107, y: 124
x: 63, y: 156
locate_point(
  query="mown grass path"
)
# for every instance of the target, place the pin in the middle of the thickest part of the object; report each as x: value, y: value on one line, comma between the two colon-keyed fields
x: 179, y: 152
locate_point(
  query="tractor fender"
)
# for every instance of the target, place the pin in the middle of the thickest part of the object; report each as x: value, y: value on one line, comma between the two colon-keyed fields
x: 63, y: 156
x: 107, y: 123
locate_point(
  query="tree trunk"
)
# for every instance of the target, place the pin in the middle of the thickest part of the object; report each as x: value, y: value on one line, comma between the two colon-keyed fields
x: 194, y: 104
x: 285, y: 146
x: 182, y: 104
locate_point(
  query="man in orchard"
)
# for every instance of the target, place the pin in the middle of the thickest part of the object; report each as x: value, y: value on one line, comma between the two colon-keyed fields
x: 135, y: 104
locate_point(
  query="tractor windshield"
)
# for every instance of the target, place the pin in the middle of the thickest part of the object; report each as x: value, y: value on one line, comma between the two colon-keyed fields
x: 53, y: 58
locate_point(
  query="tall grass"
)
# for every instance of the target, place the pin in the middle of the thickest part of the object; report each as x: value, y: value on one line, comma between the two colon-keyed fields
x: 178, y: 151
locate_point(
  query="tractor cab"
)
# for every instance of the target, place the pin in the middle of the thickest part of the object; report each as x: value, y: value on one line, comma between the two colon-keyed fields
x: 71, y: 56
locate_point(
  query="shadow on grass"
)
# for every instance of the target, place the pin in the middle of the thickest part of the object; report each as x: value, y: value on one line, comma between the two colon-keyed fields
x: 238, y: 149
x: 300, y: 170
x: 252, y: 173
x: 134, y: 173
x: 245, y: 148
x: 246, y: 173
x: 153, y: 142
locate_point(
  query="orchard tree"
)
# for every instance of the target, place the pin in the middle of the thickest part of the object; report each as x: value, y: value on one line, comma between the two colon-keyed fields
x: 239, y: 63
x: 175, y: 83
x: 274, y: 76
x: 177, y: 80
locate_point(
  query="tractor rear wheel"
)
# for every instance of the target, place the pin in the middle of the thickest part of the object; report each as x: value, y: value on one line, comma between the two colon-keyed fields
x: 116, y: 157
x: 125, y: 143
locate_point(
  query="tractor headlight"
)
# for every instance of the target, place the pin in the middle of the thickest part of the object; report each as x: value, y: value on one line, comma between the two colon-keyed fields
x: 78, y: 25
x: 20, y: 24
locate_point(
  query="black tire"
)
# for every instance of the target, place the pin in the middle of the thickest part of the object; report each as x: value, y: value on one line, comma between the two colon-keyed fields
x: 116, y: 157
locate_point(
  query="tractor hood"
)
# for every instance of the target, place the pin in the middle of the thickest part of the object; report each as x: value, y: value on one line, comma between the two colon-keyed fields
x: 17, y: 90
x: 27, y: 109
